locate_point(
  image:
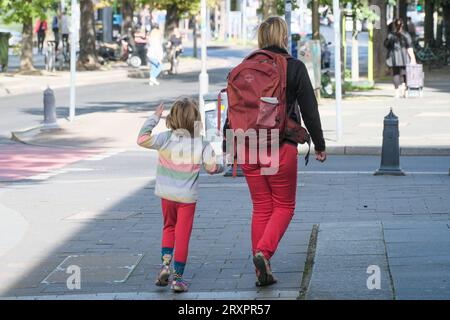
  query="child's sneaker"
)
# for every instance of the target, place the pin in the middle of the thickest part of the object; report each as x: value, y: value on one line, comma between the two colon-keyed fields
x: 163, y: 277
x: 263, y: 271
x: 179, y: 285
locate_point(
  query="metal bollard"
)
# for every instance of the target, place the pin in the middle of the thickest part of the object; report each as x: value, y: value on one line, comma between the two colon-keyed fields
x: 49, y: 108
x: 390, y: 152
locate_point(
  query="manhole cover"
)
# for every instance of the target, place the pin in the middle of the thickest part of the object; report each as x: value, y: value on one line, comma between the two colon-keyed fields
x: 95, y: 268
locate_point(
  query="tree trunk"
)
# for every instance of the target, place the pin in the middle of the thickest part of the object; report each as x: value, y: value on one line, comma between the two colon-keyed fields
x: 315, y: 20
x: 172, y: 19
x: 87, y: 59
x: 429, y: 23
x: 127, y: 22
x: 402, y: 7
x: 127, y: 12
x: 446, y: 21
x: 355, y: 51
x: 194, y: 35
x: 379, y: 35
x: 269, y: 8
x: 26, y: 55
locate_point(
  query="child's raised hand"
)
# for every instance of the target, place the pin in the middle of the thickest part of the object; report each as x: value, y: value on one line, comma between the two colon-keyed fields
x: 159, y: 110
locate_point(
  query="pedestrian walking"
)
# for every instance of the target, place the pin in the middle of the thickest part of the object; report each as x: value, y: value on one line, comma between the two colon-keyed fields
x: 141, y: 41
x: 65, y: 30
x: 55, y: 29
x: 400, y: 54
x: 412, y: 30
x: 288, y: 86
x: 177, y: 181
x: 155, y: 54
x: 40, y: 29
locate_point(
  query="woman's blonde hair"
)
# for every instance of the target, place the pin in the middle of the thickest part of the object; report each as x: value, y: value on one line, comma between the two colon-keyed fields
x: 273, y: 32
x: 184, y: 114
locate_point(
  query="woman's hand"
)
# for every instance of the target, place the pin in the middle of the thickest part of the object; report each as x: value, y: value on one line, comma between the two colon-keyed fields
x: 159, y: 110
x: 321, y: 156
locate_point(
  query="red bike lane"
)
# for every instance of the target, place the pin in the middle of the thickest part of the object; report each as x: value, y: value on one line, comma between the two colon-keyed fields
x: 20, y: 161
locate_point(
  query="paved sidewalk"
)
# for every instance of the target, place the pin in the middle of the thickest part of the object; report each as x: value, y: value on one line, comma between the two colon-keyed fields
x: 113, y: 234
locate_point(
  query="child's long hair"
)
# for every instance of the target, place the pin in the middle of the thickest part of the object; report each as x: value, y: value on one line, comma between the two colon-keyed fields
x: 184, y: 115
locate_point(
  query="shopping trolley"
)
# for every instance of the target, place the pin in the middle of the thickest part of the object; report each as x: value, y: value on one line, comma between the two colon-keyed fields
x: 414, y: 78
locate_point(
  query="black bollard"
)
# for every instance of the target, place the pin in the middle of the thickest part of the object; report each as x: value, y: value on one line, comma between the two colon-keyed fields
x: 390, y: 152
x: 49, y: 108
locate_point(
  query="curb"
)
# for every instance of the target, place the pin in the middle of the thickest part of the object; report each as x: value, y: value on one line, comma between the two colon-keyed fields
x: 376, y: 151
x: 309, y: 263
x: 331, y: 150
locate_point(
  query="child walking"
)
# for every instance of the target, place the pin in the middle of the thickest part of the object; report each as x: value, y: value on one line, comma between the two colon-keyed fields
x: 182, y: 151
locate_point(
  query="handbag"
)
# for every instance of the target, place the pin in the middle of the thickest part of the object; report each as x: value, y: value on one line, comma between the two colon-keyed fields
x: 295, y: 132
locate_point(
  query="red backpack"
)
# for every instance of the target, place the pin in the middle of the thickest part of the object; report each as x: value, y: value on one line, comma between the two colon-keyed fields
x: 256, y: 93
x: 260, y: 76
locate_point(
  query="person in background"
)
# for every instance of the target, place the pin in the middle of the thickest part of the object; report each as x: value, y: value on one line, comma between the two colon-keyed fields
x: 141, y: 39
x: 155, y: 54
x: 400, y: 53
x: 65, y: 30
x: 55, y: 29
x: 40, y: 29
x: 412, y: 30
x: 175, y: 46
x: 146, y: 18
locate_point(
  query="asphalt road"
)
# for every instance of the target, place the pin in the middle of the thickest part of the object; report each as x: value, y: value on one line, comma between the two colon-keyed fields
x: 23, y: 111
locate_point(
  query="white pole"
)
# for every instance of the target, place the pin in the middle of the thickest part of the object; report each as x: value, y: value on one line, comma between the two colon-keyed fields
x: 203, y: 77
x: 301, y: 8
x: 337, y: 67
x: 288, y: 11
x: 73, y: 42
x: 244, y: 21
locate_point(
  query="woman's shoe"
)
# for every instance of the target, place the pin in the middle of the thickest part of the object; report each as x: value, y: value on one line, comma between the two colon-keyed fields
x: 179, y: 285
x: 263, y: 270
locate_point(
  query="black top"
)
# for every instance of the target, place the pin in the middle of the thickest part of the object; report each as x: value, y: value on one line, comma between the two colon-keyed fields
x: 300, y: 91
x: 398, y: 45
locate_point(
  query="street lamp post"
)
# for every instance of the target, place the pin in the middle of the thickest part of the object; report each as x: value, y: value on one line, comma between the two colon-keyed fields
x: 337, y: 68
x: 203, y: 77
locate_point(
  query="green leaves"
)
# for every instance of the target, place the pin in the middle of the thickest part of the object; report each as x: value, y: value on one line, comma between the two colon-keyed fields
x: 22, y: 10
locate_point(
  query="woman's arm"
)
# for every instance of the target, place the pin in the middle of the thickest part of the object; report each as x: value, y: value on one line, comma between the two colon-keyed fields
x: 412, y: 55
x: 308, y: 107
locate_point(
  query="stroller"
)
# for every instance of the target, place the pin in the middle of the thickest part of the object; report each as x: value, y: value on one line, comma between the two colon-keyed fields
x: 414, y: 78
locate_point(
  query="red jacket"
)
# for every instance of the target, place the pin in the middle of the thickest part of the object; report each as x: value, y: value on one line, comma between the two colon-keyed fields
x: 38, y: 23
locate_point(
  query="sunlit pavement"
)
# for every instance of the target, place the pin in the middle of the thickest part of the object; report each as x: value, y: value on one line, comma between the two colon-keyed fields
x: 103, y: 217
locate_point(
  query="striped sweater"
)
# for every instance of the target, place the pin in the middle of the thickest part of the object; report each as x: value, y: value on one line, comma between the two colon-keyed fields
x: 180, y: 159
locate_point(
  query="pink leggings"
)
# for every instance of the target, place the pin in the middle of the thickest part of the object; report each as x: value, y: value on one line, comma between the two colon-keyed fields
x: 178, y: 220
x: 273, y: 198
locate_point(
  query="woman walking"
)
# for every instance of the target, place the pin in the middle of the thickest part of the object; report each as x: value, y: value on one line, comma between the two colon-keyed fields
x: 400, y: 53
x: 155, y: 54
x: 274, y: 195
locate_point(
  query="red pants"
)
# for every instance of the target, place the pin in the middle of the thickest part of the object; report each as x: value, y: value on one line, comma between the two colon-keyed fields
x: 178, y: 220
x: 273, y: 198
